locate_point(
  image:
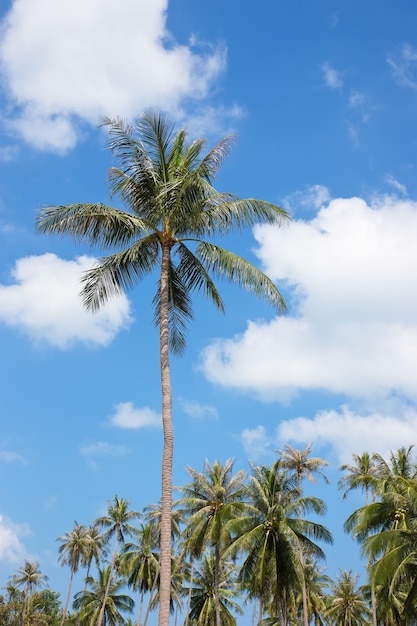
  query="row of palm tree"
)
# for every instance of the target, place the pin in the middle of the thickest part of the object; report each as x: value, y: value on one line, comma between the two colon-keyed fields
x: 237, y: 537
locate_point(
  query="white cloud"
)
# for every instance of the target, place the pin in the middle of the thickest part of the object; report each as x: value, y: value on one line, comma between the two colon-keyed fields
x: 12, y: 457
x: 391, y: 180
x: 44, y: 303
x: 128, y: 416
x: 403, y: 63
x: 255, y: 442
x: 102, y: 450
x: 198, y: 411
x: 352, y: 326
x: 75, y: 60
x: 347, y: 432
x: 331, y: 76
x: 12, y: 549
x: 313, y: 198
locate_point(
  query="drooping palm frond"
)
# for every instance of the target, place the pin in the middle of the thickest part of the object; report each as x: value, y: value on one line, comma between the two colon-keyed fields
x: 237, y: 270
x: 96, y: 224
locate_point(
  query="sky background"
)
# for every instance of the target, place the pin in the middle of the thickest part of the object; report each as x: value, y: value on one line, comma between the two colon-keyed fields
x: 322, y: 96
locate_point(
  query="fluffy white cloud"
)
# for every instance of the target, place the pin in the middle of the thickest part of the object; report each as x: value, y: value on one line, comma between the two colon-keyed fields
x: 127, y: 415
x: 80, y: 59
x: 352, y: 326
x: 347, y: 432
x: 44, y: 303
x: 12, y: 550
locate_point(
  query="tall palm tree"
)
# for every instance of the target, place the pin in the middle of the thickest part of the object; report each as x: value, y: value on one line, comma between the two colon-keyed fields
x: 210, y: 501
x: 29, y: 577
x: 271, y: 535
x: 304, y: 466
x: 117, y: 524
x: 71, y: 552
x: 103, y: 591
x: 173, y: 208
x: 346, y: 603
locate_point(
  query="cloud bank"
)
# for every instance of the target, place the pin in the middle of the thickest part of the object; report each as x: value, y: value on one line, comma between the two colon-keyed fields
x: 352, y: 322
x: 68, y: 62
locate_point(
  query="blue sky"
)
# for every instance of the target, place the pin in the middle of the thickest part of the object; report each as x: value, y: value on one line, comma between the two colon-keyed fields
x: 322, y: 96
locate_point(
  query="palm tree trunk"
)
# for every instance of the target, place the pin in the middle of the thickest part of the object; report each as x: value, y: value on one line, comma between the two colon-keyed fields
x: 187, y: 616
x: 64, y: 614
x: 216, y: 583
x: 101, y: 618
x: 303, y: 588
x: 168, y: 451
x: 142, y: 595
x: 151, y: 595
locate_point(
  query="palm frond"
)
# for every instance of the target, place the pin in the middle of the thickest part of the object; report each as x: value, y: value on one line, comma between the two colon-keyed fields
x: 236, y: 269
x: 96, y: 224
x: 119, y: 272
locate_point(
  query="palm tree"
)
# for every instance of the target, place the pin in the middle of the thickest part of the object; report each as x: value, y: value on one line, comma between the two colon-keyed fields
x: 213, y: 593
x: 117, y: 523
x: 364, y: 475
x: 167, y: 186
x: 346, y: 604
x: 103, y: 592
x: 391, y: 543
x: 400, y: 463
x: 95, y: 549
x: 29, y: 577
x: 71, y: 551
x: 304, y: 466
x: 210, y: 500
x: 140, y: 562
x: 271, y: 536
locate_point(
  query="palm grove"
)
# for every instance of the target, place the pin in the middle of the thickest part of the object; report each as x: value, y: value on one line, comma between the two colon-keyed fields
x: 173, y: 210
x: 241, y: 543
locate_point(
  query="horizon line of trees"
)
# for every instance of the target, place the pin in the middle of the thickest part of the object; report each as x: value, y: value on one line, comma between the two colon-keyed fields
x: 240, y: 539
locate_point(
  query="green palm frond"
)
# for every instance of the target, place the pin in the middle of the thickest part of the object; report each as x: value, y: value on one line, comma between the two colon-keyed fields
x: 236, y: 269
x: 119, y: 272
x: 96, y: 224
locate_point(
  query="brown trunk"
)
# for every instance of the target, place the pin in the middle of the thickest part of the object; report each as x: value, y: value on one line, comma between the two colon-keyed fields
x: 101, y: 619
x: 65, y: 611
x: 168, y: 451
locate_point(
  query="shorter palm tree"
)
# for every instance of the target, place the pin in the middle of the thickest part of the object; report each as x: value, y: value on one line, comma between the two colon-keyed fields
x: 71, y: 552
x: 30, y: 578
x: 346, y: 605
x: 271, y: 536
x: 117, y: 523
x: 140, y: 562
x: 211, y: 589
x: 211, y: 500
x: 103, y: 591
x: 95, y: 549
